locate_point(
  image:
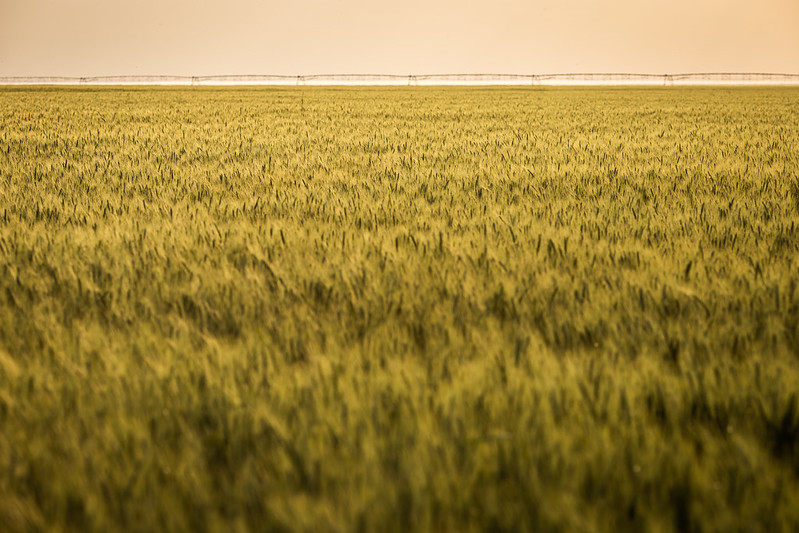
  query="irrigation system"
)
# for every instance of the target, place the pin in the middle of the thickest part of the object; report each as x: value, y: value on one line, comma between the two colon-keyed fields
x: 700, y: 78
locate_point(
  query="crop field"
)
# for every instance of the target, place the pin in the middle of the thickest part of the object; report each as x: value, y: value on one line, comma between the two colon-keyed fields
x: 399, y: 309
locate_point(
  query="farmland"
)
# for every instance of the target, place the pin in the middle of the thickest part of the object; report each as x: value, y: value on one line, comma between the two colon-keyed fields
x: 400, y: 309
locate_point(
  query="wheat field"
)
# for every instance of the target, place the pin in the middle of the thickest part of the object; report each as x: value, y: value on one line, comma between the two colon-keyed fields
x: 399, y: 309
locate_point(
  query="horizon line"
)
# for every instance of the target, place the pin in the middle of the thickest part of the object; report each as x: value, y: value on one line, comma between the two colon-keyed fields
x: 566, y: 78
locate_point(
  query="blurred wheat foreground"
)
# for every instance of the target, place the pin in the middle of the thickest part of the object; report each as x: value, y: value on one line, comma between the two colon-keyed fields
x: 410, y: 309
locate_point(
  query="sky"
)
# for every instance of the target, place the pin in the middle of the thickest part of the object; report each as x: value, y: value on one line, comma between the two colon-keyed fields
x: 296, y: 37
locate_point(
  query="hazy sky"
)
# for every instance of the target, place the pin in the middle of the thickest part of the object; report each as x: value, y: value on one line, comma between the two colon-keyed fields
x: 205, y: 37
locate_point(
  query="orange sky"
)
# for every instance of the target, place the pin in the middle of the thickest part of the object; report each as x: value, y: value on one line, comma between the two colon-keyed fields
x: 206, y: 37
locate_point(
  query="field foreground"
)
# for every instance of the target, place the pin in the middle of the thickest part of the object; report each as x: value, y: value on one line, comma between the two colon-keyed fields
x: 399, y: 309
